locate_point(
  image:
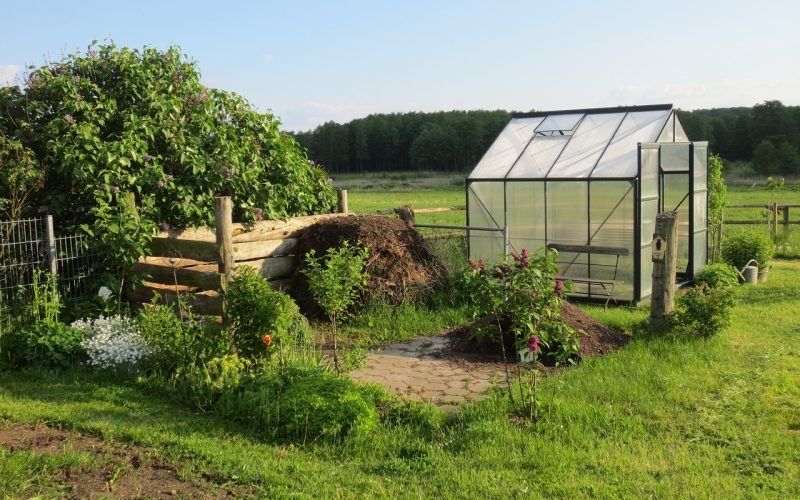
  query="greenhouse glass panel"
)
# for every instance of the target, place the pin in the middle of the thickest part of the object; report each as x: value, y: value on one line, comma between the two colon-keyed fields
x: 559, y: 123
x: 700, y: 167
x: 538, y: 157
x: 486, y: 209
x: 649, y: 180
x: 568, y: 224
x: 700, y: 207
x: 680, y: 134
x: 526, y: 220
x: 675, y: 194
x: 583, y: 151
x: 668, y: 133
x: 612, y: 225
x: 700, y: 250
x: 505, y: 150
x: 619, y: 159
x: 675, y: 157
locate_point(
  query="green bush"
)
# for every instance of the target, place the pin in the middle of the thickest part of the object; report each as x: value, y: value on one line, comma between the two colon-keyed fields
x: 258, y: 314
x: 202, y: 384
x: 717, y: 275
x: 50, y: 345
x: 702, y: 311
x: 739, y: 248
x: 178, y: 342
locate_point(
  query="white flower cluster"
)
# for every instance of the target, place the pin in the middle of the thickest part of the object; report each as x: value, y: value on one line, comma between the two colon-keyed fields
x: 112, y: 342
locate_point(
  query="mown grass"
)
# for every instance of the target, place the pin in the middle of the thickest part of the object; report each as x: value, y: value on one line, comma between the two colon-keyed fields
x: 26, y: 471
x: 665, y: 416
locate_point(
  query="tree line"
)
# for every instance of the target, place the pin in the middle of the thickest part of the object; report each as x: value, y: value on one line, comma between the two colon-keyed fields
x: 767, y: 134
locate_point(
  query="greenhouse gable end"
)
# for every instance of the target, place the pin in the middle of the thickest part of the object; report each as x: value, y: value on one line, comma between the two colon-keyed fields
x: 592, y: 179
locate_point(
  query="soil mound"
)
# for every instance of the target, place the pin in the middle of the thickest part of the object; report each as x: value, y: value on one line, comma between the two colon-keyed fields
x: 597, y: 340
x: 400, y: 264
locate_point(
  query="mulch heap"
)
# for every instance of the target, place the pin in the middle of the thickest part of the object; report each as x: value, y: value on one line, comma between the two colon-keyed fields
x: 400, y: 264
x: 598, y: 339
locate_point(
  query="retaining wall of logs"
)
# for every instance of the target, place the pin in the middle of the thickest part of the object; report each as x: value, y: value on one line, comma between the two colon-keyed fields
x: 198, y: 262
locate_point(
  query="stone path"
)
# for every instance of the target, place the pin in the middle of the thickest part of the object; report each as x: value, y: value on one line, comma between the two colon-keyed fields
x: 425, y: 369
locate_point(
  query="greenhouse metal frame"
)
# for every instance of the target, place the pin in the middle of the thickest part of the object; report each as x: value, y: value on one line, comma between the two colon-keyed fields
x: 592, y: 181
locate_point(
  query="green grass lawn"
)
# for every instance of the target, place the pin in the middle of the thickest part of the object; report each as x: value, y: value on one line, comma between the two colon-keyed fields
x: 663, y: 417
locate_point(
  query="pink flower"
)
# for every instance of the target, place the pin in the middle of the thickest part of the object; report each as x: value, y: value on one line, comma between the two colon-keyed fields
x: 475, y: 265
x: 115, y: 189
x: 559, y: 287
x: 258, y: 213
x: 202, y: 97
x: 533, y: 344
x: 69, y: 119
x: 164, y: 226
x: 160, y: 184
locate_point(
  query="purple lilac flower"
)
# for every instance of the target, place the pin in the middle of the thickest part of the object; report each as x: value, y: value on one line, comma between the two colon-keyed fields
x: 258, y: 213
x: 202, y: 96
x: 201, y: 321
x: 76, y: 78
x: 559, y: 287
x: 33, y: 81
x: 312, y: 162
x: 69, y: 119
x: 160, y: 184
x: 533, y: 344
x: 147, y: 157
x: 115, y: 189
x: 92, y: 53
x: 164, y: 226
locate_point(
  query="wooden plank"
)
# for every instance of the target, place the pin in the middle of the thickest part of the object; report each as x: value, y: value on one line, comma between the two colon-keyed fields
x: 443, y: 209
x: 201, y: 303
x: 588, y: 249
x: 263, y: 249
x: 172, y: 262
x: 205, y: 251
x: 205, y: 280
x: 748, y: 206
x: 749, y: 222
x: 273, y: 267
x: 280, y: 230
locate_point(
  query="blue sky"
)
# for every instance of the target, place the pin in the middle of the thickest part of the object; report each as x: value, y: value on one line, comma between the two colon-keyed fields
x: 314, y: 61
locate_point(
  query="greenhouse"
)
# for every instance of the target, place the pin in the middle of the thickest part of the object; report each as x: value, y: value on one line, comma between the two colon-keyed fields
x: 589, y: 183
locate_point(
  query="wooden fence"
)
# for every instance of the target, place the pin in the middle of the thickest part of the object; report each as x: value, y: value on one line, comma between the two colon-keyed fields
x: 772, y: 219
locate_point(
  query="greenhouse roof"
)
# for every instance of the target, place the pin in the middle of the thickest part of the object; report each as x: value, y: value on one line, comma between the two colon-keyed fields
x: 575, y: 144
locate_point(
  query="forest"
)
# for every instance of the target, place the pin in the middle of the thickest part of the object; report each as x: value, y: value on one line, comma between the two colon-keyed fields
x: 766, y: 134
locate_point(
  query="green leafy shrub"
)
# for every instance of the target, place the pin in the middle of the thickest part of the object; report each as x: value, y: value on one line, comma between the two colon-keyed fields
x: 740, y: 247
x: 179, y: 342
x: 717, y: 275
x: 335, y: 280
x: 130, y: 140
x: 49, y: 345
x: 702, y: 311
x: 258, y: 314
x: 202, y: 384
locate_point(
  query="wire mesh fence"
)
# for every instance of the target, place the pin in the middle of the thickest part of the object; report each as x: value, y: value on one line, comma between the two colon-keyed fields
x: 450, y: 245
x: 28, y: 246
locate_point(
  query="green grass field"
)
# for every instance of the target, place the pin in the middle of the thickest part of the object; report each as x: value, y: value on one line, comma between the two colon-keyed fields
x: 662, y: 417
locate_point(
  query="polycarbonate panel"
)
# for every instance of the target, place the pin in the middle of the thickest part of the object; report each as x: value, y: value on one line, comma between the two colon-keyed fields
x: 649, y: 176
x: 700, y: 167
x: 676, y: 189
x: 668, y: 133
x: 646, y: 271
x: 526, y: 219
x: 486, y: 207
x: 538, y: 157
x: 675, y: 157
x: 559, y: 123
x: 587, y: 144
x: 700, y: 251
x: 505, y: 150
x: 700, y: 219
x: 612, y: 225
x: 648, y: 213
x: 680, y: 134
x: 567, y: 212
x: 619, y: 159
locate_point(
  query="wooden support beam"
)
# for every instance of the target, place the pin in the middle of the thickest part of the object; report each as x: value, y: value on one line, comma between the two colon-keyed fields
x: 203, y: 279
x: 224, y: 233
x: 263, y: 249
x: 342, y: 198
x: 665, y: 257
x: 272, y: 268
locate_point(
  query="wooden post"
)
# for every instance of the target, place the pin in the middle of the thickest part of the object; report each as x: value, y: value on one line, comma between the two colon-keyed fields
x: 785, y: 217
x: 342, y: 201
x: 773, y: 228
x: 665, y: 258
x: 224, y: 223
x: 50, y: 240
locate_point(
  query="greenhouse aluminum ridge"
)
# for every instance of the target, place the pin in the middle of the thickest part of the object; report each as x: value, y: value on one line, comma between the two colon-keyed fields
x: 577, y: 144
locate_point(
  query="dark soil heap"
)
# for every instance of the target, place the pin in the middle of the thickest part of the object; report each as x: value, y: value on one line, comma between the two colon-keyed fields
x: 400, y: 264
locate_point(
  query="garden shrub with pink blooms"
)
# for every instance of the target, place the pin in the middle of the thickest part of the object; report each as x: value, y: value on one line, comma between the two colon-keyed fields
x: 520, y: 298
x: 124, y: 141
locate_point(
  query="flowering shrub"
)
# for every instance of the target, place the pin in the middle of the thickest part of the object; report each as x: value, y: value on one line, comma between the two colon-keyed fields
x: 522, y: 297
x: 112, y: 342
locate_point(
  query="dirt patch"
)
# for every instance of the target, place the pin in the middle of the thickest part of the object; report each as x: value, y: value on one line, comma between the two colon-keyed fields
x: 598, y: 339
x: 123, y: 470
x: 400, y: 264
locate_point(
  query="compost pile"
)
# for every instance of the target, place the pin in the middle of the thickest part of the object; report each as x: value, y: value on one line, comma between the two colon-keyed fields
x: 400, y: 264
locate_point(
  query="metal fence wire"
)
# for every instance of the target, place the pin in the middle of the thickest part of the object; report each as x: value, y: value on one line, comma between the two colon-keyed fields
x: 28, y: 245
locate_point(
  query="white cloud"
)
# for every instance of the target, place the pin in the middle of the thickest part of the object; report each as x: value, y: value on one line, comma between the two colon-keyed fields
x: 9, y: 73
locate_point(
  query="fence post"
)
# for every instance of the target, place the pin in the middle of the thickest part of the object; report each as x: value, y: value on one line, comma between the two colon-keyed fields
x: 665, y: 257
x: 773, y: 229
x: 224, y: 228
x: 342, y: 195
x: 50, y: 239
x: 786, y: 217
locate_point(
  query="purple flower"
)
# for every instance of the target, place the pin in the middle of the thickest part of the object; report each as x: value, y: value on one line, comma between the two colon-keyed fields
x: 160, y: 184
x: 202, y: 97
x: 33, y: 81
x: 330, y: 180
x: 115, y: 189
x: 76, y: 78
x: 258, y: 213
x: 475, y: 265
x: 164, y: 226
x: 533, y: 344
x: 69, y: 119
x: 92, y: 53
x: 147, y: 157
x: 312, y: 162
x: 78, y: 97
x: 559, y: 287
x: 201, y: 321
